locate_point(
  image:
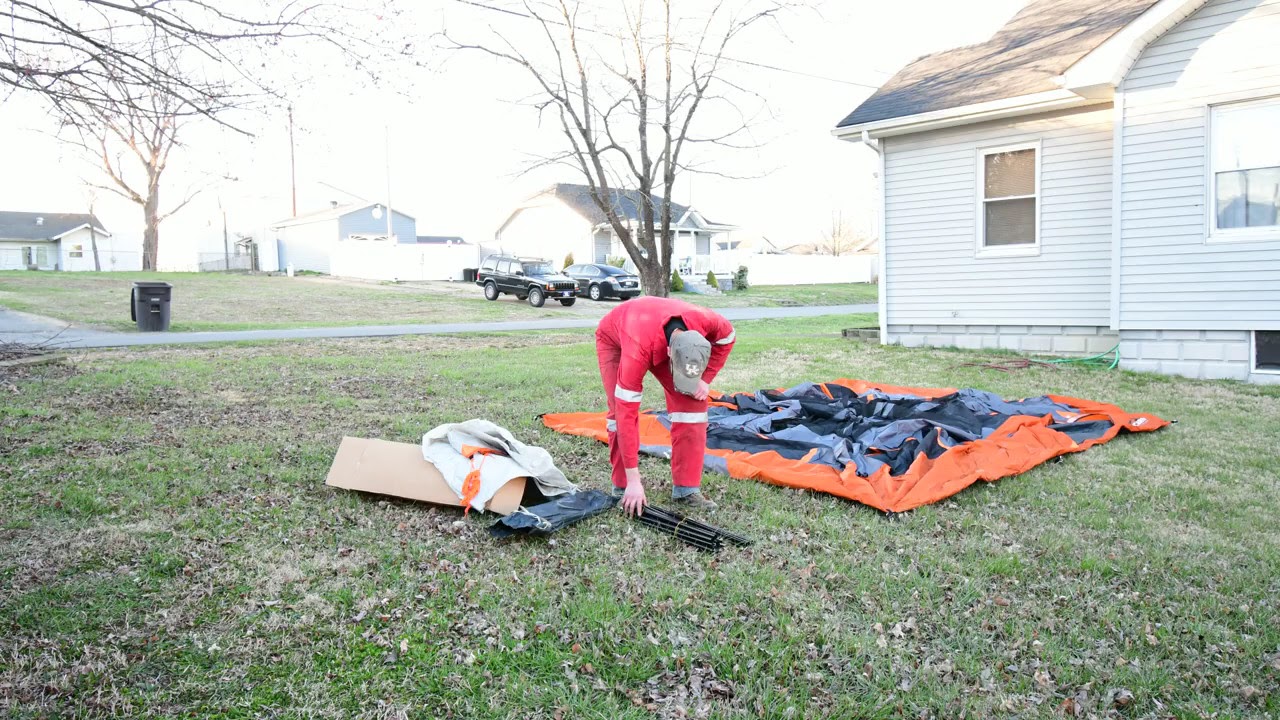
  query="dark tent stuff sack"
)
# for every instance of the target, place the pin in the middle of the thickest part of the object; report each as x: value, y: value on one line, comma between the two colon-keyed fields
x: 893, y: 448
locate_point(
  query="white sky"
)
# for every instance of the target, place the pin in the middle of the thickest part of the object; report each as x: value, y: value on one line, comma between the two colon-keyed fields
x: 461, y: 139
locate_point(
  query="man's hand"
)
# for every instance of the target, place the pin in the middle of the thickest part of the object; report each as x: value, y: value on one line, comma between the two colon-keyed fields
x: 701, y: 392
x: 633, y: 499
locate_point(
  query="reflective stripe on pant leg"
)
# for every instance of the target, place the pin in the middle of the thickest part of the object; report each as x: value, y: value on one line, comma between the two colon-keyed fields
x: 609, y: 356
x: 688, y: 418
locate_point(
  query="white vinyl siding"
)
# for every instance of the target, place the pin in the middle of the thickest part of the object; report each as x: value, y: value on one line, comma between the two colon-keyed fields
x: 933, y: 274
x: 1174, y: 272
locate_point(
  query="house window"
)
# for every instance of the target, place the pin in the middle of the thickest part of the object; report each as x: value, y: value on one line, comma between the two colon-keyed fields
x: 75, y: 253
x: 1266, y: 351
x: 1009, y: 213
x: 1246, y: 168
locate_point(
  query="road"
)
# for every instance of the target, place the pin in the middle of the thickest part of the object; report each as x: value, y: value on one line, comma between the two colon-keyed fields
x: 16, y: 327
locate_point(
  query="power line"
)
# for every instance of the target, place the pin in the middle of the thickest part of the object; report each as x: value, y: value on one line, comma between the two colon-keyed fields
x: 752, y: 63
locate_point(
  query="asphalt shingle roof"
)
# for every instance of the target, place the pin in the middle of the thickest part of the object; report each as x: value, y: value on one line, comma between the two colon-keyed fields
x: 1040, y: 43
x: 626, y: 202
x: 22, y: 225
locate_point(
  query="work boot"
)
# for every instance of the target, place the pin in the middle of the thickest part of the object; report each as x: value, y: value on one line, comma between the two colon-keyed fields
x: 696, y: 501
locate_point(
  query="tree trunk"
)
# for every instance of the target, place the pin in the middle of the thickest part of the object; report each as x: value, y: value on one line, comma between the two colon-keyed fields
x: 151, y: 233
x: 653, y: 279
x: 93, y: 242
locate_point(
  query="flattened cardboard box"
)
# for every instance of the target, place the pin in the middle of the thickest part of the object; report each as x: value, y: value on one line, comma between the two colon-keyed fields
x: 398, y: 469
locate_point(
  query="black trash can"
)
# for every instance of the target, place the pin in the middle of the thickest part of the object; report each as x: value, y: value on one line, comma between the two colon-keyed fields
x: 469, y: 274
x: 149, y: 305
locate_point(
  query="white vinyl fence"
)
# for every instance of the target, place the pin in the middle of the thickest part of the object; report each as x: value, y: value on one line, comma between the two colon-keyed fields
x: 382, y: 260
x: 811, y: 269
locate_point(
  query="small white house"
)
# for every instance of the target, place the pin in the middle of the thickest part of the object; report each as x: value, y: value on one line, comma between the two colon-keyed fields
x: 309, y: 241
x: 55, y: 241
x: 1098, y: 173
x: 564, y: 219
x: 352, y: 241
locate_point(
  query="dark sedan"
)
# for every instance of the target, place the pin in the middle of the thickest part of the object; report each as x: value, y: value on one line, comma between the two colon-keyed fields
x: 598, y: 281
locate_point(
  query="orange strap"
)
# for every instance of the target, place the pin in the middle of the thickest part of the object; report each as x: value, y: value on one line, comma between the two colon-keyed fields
x: 471, y: 485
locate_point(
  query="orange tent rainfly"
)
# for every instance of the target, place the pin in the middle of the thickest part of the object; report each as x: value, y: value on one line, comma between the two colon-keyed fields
x: 893, y: 448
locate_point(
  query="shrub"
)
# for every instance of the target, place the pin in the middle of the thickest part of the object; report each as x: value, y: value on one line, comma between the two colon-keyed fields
x: 740, y: 278
x: 677, y: 285
x: 712, y: 281
x: 568, y: 260
x: 617, y: 261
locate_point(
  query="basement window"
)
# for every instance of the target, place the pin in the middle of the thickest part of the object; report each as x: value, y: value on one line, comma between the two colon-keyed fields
x: 1008, y: 200
x: 1266, y: 351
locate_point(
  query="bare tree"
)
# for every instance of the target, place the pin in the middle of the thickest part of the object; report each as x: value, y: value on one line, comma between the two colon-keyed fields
x: 132, y: 142
x: 82, y: 52
x: 124, y: 76
x: 626, y: 102
x: 841, y: 239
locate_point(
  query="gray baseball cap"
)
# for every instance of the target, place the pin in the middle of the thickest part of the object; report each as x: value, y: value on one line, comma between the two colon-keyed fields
x: 690, y: 353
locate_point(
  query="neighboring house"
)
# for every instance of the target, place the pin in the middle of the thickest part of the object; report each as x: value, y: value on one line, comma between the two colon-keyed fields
x: 1099, y: 172
x: 50, y: 241
x: 309, y: 242
x: 564, y: 219
x: 854, y: 246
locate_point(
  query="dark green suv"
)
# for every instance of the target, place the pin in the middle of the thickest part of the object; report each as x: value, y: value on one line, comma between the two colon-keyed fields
x: 533, y: 279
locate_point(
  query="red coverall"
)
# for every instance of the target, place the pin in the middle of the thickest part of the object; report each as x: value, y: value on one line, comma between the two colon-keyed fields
x: 630, y: 341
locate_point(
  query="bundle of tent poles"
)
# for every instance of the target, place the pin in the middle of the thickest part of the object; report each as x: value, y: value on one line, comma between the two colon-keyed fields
x: 691, y: 532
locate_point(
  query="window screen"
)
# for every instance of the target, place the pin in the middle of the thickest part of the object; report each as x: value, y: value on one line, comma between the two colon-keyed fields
x: 1266, y: 350
x: 1246, y: 165
x: 1009, y: 198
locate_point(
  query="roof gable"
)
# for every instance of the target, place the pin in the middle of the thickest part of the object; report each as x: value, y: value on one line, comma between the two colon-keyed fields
x: 331, y: 213
x: 1024, y: 57
x: 626, y: 203
x: 44, y: 226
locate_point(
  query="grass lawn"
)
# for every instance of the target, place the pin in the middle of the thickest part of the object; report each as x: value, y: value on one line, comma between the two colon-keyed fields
x: 168, y: 548
x: 783, y: 295
x: 214, y: 301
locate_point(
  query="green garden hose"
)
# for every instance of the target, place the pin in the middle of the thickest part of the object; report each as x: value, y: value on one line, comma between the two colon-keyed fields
x: 1109, y: 359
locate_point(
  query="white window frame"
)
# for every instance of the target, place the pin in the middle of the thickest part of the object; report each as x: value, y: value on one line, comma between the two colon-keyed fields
x: 1253, y: 355
x: 1229, y: 235
x: 980, y: 162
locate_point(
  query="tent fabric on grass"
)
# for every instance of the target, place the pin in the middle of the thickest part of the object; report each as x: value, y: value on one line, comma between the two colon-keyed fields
x: 893, y: 448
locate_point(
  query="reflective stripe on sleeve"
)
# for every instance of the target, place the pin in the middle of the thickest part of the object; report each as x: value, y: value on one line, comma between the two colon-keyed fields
x: 729, y: 339
x: 688, y: 417
x: 611, y: 425
x: 626, y: 395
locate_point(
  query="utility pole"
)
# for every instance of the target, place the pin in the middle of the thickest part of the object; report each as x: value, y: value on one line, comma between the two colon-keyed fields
x: 226, y: 247
x: 387, y: 154
x: 293, y: 168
